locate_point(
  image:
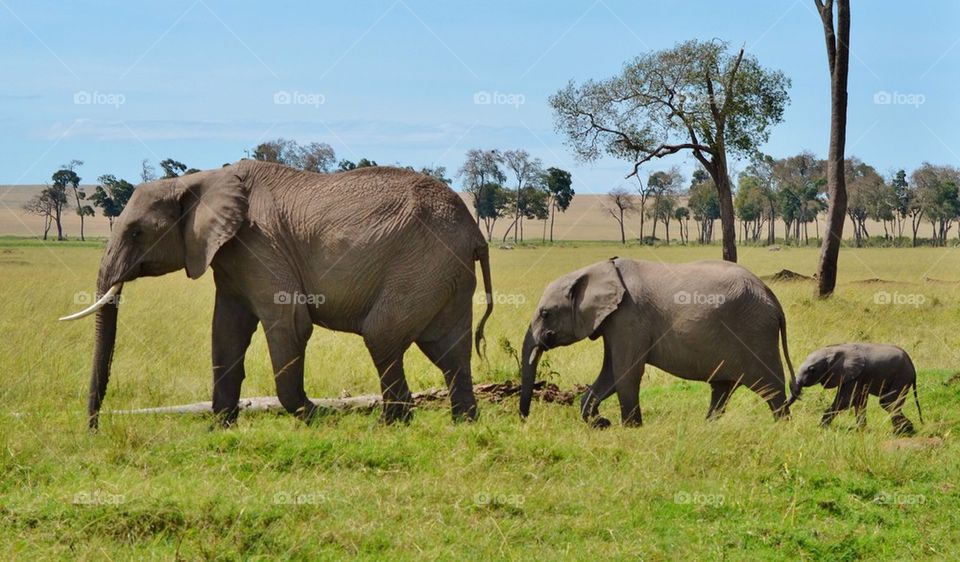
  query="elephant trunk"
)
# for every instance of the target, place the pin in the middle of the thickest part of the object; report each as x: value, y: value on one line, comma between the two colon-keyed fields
x: 105, y: 339
x: 529, y: 357
x: 795, y: 390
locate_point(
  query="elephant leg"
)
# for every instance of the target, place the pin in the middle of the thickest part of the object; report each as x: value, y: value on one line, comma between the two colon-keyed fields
x: 627, y: 373
x: 397, y: 399
x: 287, y: 342
x: 233, y: 326
x: 721, y: 392
x: 860, y: 406
x: 841, y: 402
x: 451, y: 354
x: 892, y: 402
x: 600, y: 390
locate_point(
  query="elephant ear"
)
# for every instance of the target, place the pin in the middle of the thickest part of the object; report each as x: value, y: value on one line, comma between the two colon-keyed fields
x: 214, y: 206
x: 595, y: 294
x: 843, y: 366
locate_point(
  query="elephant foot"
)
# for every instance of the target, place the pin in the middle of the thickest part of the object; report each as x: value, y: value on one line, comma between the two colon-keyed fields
x: 394, y: 412
x: 904, y: 428
x: 225, y: 419
x: 308, y: 413
x: 600, y: 423
x: 467, y: 416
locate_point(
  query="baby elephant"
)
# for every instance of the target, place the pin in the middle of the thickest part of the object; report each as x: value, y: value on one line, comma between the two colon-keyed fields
x: 859, y: 370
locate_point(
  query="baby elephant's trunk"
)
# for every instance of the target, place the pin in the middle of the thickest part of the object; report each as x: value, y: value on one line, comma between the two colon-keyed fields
x: 794, y: 393
x: 529, y: 358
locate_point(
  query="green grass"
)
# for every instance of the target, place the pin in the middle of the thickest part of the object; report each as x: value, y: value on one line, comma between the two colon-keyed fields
x: 678, y: 488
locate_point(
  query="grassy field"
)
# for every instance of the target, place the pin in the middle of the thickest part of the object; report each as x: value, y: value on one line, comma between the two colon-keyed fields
x: 742, y: 487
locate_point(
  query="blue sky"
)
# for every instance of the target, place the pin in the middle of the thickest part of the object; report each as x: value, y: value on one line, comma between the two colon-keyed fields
x: 112, y: 83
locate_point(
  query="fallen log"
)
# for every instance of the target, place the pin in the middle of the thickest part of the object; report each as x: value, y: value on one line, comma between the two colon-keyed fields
x: 491, y: 392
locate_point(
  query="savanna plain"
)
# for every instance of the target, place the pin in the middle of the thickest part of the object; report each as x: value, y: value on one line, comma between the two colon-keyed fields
x: 680, y: 487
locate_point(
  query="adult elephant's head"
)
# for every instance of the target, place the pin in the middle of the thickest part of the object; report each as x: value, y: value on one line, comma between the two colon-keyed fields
x: 167, y: 225
x: 572, y: 308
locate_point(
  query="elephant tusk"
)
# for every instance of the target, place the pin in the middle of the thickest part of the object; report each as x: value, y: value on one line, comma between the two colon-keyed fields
x: 107, y: 297
x: 533, y: 355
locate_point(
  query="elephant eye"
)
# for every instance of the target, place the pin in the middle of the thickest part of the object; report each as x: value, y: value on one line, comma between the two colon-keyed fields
x: 135, y: 232
x: 543, y: 313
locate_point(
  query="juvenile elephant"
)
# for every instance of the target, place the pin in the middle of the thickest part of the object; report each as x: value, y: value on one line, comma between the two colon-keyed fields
x: 380, y: 252
x: 710, y: 321
x: 858, y: 370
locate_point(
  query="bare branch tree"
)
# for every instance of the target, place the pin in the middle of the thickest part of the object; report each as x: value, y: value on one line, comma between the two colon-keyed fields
x: 838, y: 57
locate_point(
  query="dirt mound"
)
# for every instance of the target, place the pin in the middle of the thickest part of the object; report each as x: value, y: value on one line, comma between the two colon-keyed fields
x: 787, y: 275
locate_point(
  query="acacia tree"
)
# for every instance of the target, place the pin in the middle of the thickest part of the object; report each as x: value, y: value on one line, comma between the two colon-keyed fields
x: 901, y: 191
x: 483, y: 179
x: 762, y: 172
x: 937, y: 198
x: 682, y: 214
x: 644, y: 192
x: 705, y: 209
x: 620, y: 203
x: 697, y: 97
x: 750, y: 204
x: 661, y: 185
x: 66, y: 178
x: 798, y: 182
x: 837, y: 37
x: 558, y: 184
x: 312, y: 157
x: 526, y: 170
x: 45, y: 205
x: 111, y: 196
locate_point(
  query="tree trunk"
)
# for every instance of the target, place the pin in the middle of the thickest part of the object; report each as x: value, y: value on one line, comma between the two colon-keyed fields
x: 643, y: 211
x: 59, y: 226
x: 838, y: 55
x: 727, y: 216
x: 553, y: 213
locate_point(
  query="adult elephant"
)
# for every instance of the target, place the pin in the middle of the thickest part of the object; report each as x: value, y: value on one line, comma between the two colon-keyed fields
x: 711, y: 321
x: 380, y: 252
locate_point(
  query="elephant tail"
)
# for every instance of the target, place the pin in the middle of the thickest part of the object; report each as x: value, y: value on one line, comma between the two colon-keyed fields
x: 483, y: 256
x: 916, y: 400
x: 786, y: 350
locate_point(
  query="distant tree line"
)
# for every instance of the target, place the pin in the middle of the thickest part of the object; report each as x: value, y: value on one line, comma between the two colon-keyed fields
x: 513, y: 185
x: 792, y: 191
